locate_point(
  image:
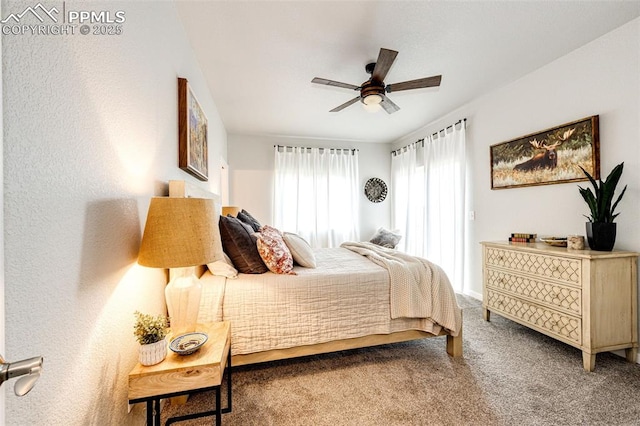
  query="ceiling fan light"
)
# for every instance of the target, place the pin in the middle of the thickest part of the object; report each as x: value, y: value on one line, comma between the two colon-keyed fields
x: 372, y: 107
x: 372, y: 100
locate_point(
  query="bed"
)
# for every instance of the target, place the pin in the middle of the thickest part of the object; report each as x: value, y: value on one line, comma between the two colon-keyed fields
x: 350, y: 300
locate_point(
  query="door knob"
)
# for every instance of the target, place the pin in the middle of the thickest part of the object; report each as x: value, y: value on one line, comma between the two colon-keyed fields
x: 28, y: 370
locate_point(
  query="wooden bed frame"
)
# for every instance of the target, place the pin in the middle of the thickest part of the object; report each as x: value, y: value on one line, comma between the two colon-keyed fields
x: 454, y: 346
x: 179, y: 188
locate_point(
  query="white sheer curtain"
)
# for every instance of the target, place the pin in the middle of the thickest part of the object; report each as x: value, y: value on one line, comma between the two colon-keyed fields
x: 428, y: 184
x: 316, y: 194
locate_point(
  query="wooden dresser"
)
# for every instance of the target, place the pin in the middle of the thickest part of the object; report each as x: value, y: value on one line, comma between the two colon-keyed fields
x: 585, y: 298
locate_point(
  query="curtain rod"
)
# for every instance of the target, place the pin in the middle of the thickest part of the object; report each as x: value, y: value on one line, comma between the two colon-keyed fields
x: 462, y: 120
x: 353, y: 150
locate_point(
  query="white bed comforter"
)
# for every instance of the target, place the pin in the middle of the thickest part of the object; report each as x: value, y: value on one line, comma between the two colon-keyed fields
x: 346, y: 296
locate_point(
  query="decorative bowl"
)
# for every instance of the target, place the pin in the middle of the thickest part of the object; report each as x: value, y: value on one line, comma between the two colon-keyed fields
x: 188, y: 343
x: 555, y: 241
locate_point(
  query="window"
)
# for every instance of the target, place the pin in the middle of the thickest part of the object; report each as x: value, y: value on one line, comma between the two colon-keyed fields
x: 316, y: 194
x: 429, y: 194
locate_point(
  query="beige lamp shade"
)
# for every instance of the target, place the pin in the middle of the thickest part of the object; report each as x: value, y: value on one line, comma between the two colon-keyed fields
x: 230, y: 210
x: 179, y: 233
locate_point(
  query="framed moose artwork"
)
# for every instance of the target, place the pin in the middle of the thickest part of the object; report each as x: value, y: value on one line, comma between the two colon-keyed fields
x: 547, y: 157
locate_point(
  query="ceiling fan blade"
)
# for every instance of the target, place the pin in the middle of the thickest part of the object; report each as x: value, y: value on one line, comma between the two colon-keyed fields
x: 346, y: 104
x: 334, y: 83
x: 384, y: 62
x: 414, y: 84
x: 388, y: 105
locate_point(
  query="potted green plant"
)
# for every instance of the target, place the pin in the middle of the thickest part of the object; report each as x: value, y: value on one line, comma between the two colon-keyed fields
x: 151, y: 332
x: 601, y: 229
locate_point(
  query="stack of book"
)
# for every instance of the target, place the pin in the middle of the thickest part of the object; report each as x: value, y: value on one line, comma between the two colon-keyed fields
x: 523, y: 238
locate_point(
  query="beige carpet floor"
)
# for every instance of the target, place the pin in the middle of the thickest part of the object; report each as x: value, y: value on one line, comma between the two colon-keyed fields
x: 509, y: 375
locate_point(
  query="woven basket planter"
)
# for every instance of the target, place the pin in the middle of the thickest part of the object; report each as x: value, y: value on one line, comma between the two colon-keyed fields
x: 153, y: 353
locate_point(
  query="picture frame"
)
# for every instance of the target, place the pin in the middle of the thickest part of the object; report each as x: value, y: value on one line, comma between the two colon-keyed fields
x: 192, y: 133
x: 548, y: 157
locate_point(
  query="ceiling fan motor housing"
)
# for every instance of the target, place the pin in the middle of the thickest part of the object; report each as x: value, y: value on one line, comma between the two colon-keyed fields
x: 369, y: 88
x: 370, y: 67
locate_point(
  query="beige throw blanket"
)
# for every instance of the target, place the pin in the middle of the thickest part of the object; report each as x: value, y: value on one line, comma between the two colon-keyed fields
x: 418, y: 288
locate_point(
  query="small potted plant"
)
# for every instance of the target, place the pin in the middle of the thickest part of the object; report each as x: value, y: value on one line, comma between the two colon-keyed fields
x: 601, y: 229
x: 151, y: 331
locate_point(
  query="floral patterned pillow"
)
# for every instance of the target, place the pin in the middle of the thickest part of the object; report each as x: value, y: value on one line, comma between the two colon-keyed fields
x: 274, y: 252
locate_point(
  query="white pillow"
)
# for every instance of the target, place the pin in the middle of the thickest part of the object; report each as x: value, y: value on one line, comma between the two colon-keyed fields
x: 300, y: 250
x: 223, y: 268
x: 217, y: 241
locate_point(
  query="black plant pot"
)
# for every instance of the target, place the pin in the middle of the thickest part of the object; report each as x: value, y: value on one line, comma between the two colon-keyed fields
x: 601, y: 236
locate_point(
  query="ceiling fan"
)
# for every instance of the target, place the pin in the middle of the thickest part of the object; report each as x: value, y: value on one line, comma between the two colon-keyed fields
x: 372, y: 91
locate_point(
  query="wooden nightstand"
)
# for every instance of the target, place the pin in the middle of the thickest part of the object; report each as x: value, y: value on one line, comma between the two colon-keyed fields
x: 180, y: 375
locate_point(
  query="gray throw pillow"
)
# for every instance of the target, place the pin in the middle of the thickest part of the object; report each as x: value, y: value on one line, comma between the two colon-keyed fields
x: 246, y: 217
x: 386, y: 238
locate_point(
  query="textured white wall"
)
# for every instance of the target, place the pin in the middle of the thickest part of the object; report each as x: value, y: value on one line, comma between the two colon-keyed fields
x: 90, y: 134
x: 602, y: 77
x: 251, y: 162
x: 2, y: 310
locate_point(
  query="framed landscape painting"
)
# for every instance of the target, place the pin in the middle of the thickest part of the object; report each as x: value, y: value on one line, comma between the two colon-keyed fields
x: 547, y: 157
x: 192, y: 133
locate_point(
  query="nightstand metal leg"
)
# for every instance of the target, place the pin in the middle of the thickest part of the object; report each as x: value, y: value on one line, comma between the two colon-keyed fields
x: 156, y: 411
x: 153, y: 412
x: 229, y: 399
x: 218, y: 408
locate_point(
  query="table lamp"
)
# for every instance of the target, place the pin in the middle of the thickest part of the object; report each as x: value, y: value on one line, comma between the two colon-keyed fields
x: 179, y: 233
x: 230, y: 210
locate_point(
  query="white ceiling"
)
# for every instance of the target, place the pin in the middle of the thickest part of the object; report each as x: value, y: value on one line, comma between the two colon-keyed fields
x: 259, y: 57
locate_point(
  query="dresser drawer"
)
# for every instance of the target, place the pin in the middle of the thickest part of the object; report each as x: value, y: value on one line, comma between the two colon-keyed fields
x: 558, y: 268
x: 552, y: 321
x: 556, y: 296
